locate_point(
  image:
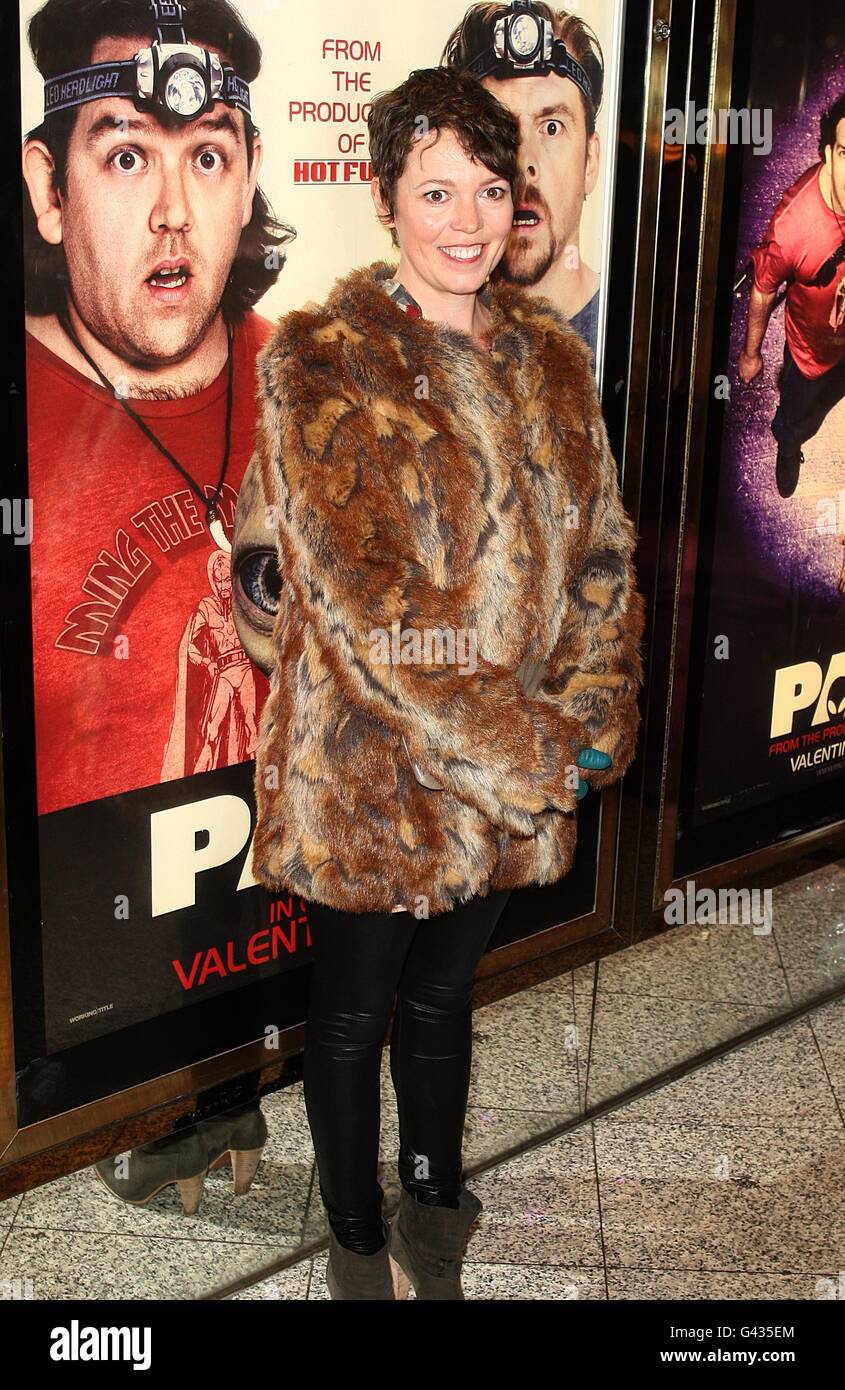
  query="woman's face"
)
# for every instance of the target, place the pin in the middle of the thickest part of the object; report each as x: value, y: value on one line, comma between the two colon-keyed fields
x: 453, y: 216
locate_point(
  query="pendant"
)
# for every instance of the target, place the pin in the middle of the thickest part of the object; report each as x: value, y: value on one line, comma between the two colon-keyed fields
x: 215, y: 526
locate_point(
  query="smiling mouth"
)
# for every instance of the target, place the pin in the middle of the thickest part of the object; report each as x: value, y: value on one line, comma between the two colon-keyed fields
x: 464, y: 253
x: 526, y: 217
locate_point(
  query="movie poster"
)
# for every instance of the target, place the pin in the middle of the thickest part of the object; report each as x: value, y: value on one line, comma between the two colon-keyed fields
x: 153, y: 279
x: 772, y: 703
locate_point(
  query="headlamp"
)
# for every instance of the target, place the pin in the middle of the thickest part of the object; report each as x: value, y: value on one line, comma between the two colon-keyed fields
x: 524, y: 45
x: 171, y: 75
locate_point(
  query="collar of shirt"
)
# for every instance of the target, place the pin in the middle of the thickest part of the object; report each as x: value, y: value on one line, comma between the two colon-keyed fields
x: 406, y: 301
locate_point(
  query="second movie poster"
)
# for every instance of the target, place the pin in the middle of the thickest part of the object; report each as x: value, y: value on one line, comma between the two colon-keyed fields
x: 770, y: 703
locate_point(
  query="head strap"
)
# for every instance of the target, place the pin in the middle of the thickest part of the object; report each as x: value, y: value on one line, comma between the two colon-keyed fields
x: 549, y: 54
x: 138, y: 78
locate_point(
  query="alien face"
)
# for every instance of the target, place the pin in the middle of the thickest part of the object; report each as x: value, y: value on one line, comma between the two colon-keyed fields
x: 256, y: 581
x: 836, y: 697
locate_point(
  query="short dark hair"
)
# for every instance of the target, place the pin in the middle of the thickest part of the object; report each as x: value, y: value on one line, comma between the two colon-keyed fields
x: 474, y: 34
x: 62, y: 36
x: 456, y: 101
x: 829, y: 121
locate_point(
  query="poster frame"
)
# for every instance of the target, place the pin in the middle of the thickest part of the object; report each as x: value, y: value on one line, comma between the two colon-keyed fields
x: 692, y: 364
x: 33, y: 1151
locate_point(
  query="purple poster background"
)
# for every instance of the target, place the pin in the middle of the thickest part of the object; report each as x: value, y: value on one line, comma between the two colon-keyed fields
x: 784, y: 530
x: 774, y: 600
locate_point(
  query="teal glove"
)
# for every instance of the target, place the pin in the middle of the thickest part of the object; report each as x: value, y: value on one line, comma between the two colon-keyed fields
x: 590, y: 758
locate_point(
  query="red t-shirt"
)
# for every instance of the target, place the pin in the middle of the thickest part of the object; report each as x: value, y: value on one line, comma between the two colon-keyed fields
x: 139, y: 674
x: 801, y: 235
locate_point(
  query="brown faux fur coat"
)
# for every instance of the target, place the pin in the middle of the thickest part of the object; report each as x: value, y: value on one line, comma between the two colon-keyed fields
x: 420, y: 482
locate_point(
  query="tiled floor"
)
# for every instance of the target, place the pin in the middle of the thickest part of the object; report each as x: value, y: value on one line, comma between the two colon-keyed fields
x: 726, y: 1183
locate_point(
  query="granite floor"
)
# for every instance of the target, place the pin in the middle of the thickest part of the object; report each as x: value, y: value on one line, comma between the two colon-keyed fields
x: 724, y: 1183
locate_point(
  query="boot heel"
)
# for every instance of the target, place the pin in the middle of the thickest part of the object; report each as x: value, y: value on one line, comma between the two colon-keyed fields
x: 239, y: 1137
x: 401, y: 1282
x: 244, y: 1167
x: 190, y: 1190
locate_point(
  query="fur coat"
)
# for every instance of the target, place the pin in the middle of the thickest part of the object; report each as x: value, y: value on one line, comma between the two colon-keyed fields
x: 418, y: 485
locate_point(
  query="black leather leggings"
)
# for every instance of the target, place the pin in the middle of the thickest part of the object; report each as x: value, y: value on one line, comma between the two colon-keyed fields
x: 362, y: 961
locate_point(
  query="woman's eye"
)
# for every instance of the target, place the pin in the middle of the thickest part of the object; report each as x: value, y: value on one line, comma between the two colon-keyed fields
x: 436, y: 199
x: 127, y: 161
x: 497, y: 193
x: 210, y: 161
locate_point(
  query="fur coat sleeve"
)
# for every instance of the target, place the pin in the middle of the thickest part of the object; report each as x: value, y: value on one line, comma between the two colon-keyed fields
x: 596, y: 667
x: 454, y: 510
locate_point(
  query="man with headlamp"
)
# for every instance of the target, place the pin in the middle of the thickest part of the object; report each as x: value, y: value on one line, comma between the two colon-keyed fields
x: 146, y: 245
x: 147, y: 242
x: 547, y: 67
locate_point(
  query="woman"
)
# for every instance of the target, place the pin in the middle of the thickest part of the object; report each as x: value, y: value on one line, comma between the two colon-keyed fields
x: 457, y: 634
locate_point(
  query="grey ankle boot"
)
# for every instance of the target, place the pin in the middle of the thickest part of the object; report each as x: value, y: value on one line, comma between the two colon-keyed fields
x: 350, y: 1275
x: 137, y: 1175
x: 427, y: 1244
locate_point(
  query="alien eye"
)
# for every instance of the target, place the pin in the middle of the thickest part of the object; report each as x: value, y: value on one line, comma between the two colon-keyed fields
x: 261, y: 581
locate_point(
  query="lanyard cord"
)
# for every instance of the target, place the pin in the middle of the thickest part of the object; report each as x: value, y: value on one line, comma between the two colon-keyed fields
x: 210, y: 506
x: 836, y: 257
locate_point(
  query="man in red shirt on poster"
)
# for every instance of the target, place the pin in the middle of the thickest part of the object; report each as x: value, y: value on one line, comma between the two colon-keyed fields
x: 146, y: 246
x: 804, y: 244
x: 147, y: 242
